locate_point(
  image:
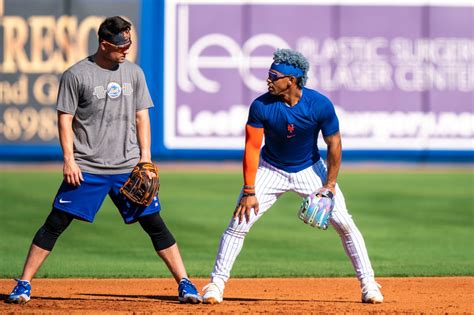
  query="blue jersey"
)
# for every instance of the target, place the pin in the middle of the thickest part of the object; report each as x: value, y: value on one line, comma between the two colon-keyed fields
x: 291, y: 133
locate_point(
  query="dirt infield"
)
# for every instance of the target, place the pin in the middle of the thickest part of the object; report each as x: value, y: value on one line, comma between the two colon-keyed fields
x: 244, y: 296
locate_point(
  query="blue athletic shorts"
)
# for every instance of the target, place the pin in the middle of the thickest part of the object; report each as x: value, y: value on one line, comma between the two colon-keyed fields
x: 84, y: 201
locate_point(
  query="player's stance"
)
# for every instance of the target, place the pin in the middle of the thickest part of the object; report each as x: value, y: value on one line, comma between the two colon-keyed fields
x: 104, y: 131
x: 290, y: 116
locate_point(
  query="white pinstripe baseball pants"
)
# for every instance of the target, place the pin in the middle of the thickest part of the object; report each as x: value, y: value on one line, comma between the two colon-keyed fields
x: 270, y: 184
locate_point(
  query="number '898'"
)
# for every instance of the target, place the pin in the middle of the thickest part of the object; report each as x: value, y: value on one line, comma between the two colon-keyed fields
x: 29, y: 122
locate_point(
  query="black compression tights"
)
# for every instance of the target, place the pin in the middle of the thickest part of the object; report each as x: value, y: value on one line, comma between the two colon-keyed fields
x: 55, y: 224
x: 58, y: 221
x: 159, y: 234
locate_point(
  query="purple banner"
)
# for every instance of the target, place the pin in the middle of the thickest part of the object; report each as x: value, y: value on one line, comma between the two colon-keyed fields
x: 401, y: 77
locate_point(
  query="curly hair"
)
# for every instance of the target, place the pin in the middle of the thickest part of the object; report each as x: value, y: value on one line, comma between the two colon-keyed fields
x: 294, y: 58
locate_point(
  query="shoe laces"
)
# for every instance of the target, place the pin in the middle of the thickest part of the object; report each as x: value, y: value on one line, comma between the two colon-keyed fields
x: 187, y: 286
x: 21, y: 286
x: 212, y: 287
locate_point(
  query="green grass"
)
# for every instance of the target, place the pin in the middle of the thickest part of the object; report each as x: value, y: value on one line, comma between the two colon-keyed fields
x: 414, y: 224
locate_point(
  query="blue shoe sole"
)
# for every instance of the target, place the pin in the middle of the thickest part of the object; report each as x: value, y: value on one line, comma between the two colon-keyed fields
x: 190, y: 298
x: 20, y: 300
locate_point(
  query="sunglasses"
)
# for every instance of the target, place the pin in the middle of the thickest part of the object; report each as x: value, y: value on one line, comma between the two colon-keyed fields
x: 273, y: 76
x: 120, y: 48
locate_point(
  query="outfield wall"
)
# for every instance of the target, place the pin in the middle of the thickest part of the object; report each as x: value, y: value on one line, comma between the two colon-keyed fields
x: 401, y: 76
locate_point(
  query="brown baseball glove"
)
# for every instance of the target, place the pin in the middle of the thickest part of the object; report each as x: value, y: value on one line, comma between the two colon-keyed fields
x: 139, y: 188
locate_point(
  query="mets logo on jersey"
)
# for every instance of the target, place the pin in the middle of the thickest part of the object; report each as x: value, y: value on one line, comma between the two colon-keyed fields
x: 113, y: 90
x: 290, y: 128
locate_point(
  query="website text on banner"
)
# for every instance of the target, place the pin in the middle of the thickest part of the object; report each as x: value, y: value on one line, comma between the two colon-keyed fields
x: 403, y: 88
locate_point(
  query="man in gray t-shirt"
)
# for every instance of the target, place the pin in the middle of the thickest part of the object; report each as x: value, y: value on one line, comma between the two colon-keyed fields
x: 105, y: 104
x: 104, y: 131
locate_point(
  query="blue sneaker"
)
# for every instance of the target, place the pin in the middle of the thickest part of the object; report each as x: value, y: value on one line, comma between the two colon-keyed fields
x: 21, y: 292
x: 187, y: 292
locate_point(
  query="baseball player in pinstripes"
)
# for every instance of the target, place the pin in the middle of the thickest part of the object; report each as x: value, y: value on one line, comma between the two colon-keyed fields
x: 291, y: 117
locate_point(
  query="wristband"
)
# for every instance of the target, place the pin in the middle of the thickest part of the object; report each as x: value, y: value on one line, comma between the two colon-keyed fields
x: 248, y: 194
x: 249, y: 189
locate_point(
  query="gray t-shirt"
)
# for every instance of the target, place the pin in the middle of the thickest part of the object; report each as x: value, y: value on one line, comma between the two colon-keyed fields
x: 104, y: 104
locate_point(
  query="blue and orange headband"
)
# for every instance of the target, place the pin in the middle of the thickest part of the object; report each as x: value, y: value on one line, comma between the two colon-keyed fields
x: 287, y: 69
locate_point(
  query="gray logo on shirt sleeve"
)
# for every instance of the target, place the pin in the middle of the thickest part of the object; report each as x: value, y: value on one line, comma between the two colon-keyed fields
x: 127, y: 89
x: 99, y: 92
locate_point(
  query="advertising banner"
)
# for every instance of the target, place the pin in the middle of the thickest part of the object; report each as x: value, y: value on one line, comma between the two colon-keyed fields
x: 41, y: 39
x: 401, y: 76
